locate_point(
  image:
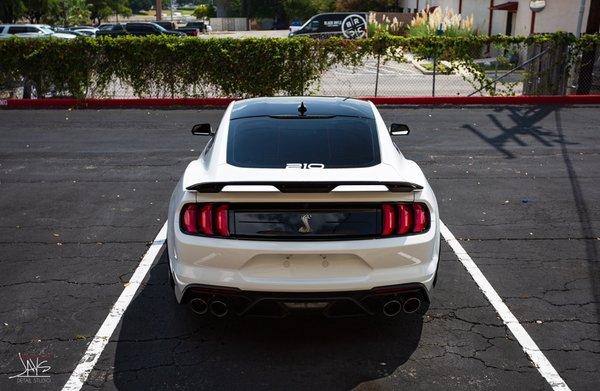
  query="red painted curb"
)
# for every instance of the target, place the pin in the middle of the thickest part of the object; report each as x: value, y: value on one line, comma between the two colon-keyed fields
x: 222, y: 102
x: 487, y: 100
x: 113, y: 103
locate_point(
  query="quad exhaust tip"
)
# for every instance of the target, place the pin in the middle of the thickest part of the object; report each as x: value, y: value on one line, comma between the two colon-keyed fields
x: 411, y: 305
x: 392, y: 308
x: 218, y: 308
x: 198, y: 306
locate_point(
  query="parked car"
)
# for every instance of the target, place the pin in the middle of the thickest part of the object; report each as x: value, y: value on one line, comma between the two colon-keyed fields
x: 295, y: 25
x: 85, y: 30
x: 166, y: 24
x: 303, y: 203
x: 108, y: 26
x: 63, y: 30
x: 350, y: 25
x: 200, y: 26
x: 31, y: 31
x: 138, y: 28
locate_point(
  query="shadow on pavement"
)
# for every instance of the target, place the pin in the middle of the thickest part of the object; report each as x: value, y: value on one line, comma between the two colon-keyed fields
x: 583, y: 214
x: 524, y: 125
x: 163, y: 345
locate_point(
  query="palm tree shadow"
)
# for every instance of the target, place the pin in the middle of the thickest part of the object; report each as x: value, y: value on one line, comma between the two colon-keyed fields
x: 162, y: 345
x: 525, y: 125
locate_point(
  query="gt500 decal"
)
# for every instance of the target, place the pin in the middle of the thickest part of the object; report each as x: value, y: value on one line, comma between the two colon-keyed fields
x: 305, y: 166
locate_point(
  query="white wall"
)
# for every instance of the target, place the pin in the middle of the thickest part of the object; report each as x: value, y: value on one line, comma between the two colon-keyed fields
x: 559, y: 15
x: 480, y: 9
x: 411, y: 4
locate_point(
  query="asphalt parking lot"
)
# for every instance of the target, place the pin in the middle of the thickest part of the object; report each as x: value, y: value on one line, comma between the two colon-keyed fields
x: 85, y: 192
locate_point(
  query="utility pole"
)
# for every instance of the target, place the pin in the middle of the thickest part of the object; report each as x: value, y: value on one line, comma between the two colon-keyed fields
x: 580, y: 18
x: 158, y: 6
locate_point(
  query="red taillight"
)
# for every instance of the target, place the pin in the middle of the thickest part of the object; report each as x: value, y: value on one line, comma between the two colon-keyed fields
x: 222, y: 220
x: 188, y: 218
x: 205, y: 220
x: 388, y: 219
x: 421, y: 218
x: 405, y: 219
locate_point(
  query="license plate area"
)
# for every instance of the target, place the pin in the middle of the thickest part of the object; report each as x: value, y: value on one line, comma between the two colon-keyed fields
x: 305, y: 221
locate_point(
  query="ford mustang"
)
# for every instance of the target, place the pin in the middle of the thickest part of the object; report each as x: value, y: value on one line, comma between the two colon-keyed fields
x: 303, y: 204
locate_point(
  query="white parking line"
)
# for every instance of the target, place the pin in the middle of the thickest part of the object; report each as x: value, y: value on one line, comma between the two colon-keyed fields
x: 94, y: 350
x: 529, y: 346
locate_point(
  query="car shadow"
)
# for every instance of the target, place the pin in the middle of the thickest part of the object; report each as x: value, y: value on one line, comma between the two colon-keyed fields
x: 163, y: 345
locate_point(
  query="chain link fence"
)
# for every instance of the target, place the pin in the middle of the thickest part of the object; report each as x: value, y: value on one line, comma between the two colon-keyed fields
x: 519, y: 69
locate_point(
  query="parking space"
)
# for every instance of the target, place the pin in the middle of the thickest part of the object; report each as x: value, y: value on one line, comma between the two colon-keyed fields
x: 84, y: 192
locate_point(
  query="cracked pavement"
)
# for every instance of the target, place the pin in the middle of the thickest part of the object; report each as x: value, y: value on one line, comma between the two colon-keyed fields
x: 84, y: 192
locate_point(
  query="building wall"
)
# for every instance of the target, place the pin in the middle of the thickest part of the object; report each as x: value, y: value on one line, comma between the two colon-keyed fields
x: 480, y: 9
x: 410, y: 5
x: 559, y: 15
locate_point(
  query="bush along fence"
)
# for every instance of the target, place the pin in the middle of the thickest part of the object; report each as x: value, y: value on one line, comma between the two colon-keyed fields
x: 176, y: 67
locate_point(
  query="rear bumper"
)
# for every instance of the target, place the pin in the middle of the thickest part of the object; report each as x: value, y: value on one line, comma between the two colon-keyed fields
x: 390, y: 301
x: 302, y: 267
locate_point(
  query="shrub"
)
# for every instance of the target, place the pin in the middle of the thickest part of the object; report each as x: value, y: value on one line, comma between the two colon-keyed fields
x: 426, y: 23
x: 187, y: 66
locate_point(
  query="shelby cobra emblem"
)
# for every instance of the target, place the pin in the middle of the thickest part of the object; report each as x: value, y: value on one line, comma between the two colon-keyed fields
x: 306, y: 228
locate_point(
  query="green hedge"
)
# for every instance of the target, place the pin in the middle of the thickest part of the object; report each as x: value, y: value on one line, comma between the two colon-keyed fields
x: 188, y: 66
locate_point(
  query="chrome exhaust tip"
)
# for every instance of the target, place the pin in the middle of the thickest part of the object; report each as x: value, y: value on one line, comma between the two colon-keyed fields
x: 198, y: 306
x: 392, y: 308
x: 411, y: 305
x: 218, y: 308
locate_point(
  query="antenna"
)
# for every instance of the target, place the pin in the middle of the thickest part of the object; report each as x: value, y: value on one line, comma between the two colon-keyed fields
x: 302, y: 109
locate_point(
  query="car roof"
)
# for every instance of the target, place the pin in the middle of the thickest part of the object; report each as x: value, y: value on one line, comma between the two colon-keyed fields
x: 23, y: 24
x: 288, y: 106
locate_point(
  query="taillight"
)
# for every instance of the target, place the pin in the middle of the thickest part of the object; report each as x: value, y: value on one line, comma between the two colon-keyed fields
x: 222, y: 220
x: 388, y: 220
x: 189, y: 220
x: 404, y: 219
x: 421, y: 218
x: 205, y: 219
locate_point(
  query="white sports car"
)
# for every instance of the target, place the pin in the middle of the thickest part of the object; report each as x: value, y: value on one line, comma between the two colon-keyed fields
x: 303, y: 204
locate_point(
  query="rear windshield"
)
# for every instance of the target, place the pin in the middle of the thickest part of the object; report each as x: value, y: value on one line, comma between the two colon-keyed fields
x: 338, y: 142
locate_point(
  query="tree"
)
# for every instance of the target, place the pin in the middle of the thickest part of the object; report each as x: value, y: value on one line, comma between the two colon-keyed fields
x: 139, y: 5
x: 67, y: 12
x: 11, y: 10
x: 36, y: 9
x: 365, y: 5
x: 304, y: 9
x: 204, y: 11
x: 102, y: 9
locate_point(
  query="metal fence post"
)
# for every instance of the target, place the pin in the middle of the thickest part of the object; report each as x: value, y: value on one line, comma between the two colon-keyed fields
x: 377, y: 74
x: 438, y: 32
x: 434, y: 72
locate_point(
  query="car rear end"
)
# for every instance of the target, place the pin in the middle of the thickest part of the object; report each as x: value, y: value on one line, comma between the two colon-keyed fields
x: 266, y: 234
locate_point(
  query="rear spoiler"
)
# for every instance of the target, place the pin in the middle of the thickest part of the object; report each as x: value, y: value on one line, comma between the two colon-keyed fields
x: 306, y: 187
